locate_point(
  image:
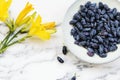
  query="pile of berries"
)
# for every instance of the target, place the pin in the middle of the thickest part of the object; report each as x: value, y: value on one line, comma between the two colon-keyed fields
x: 96, y: 27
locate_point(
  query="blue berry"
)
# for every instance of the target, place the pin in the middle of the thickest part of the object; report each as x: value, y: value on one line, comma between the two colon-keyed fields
x: 86, y: 33
x: 77, y: 38
x: 93, y: 32
x: 116, y: 23
x: 106, y: 16
x: 91, y: 13
x: 91, y: 54
x: 97, y: 16
x: 64, y: 50
x: 87, y: 19
x: 82, y: 36
x: 99, y: 39
x: 60, y: 59
x: 83, y: 14
x: 118, y: 18
x: 107, y: 27
x: 118, y: 31
x: 118, y: 41
x: 94, y: 45
x: 112, y: 47
x: 92, y: 19
x: 73, y: 78
x: 76, y: 42
x: 114, y: 11
x: 90, y: 50
x: 106, y: 7
x: 83, y: 21
x: 101, y: 5
x: 99, y: 11
x: 73, y: 22
x: 94, y: 40
x: 73, y: 31
x: 77, y: 16
x: 111, y: 15
x: 77, y: 29
x: 79, y: 26
x: 111, y: 39
x: 102, y: 55
x: 103, y: 11
x: 113, y: 29
x: 103, y: 19
x: 83, y: 43
x: 86, y: 29
x: 93, y: 4
x: 101, y: 48
x: 105, y: 50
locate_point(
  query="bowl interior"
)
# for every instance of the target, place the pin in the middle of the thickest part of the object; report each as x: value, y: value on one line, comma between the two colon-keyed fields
x: 81, y: 52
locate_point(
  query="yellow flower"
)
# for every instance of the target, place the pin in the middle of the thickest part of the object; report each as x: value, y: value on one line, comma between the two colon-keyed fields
x: 4, y: 6
x: 43, y: 31
x: 49, y: 25
x: 28, y: 20
x: 22, y: 17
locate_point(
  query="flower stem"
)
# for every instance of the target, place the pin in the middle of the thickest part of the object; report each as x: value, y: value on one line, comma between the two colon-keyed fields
x: 4, y: 42
x: 5, y: 38
x: 17, y: 41
x: 2, y: 50
x: 13, y: 36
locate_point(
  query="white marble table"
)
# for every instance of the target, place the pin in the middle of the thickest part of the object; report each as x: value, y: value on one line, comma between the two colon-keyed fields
x: 36, y: 60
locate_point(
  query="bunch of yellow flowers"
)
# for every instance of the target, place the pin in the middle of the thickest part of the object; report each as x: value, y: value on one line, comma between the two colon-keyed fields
x: 25, y: 23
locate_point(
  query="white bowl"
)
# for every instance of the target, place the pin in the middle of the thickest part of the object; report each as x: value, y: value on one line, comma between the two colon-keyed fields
x: 81, y: 52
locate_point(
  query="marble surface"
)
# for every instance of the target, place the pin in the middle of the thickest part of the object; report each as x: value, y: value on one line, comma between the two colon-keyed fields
x: 36, y: 60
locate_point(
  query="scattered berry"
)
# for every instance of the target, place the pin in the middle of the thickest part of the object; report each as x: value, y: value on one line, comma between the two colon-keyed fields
x: 73, y: 78
x: 64, y: 50
x: 60, y: 59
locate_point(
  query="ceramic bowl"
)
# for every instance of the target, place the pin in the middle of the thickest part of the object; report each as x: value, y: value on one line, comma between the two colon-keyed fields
x: 81, y: 52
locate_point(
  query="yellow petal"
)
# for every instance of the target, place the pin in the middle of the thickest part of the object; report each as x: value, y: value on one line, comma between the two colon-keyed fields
x: 28, y: 18
x: 39, y: 32
x: 38, y: 20
x: 42, y: 30
x: 32, y: 29
x: 49, y: 25
x: 26, y: 27
x: 33, y: 15
x: 43, y: 35
x: 51, y: 31
x: 8, y: 3
x: 4, y: 6
x: 4, y: 17
x: 23, y: 13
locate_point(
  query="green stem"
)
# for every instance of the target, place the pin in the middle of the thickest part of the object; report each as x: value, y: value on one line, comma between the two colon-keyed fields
x: 8, y: 41
x: 3, y: 49
x: 3, y: 43
x: 18, y: 41
x: 5, y: 38
x: 13, y: 36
